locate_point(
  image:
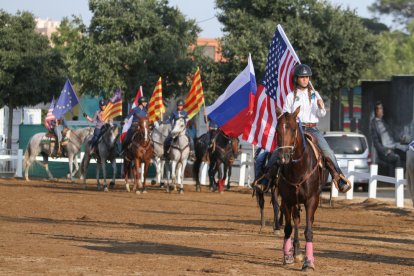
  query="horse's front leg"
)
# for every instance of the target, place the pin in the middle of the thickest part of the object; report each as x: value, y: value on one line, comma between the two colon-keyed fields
x: 181, y: 172
x: 70, y: 175
x: 221, y: 176
x: 104, y: 173
x: 127, y: 166
x: 211, y: 177
x: 75, y: 162
x: 137, y: 176
x: 287, y: 242
x: 112, y: 183
x: 228, y: 169
x: 174, y: 174
x: 311, y: 207
x: 276, y: 208
x: 98, y: 183
x: 261, y: 202
x: 46, y: 166
x: 296, y: 244
x: 144, y: 170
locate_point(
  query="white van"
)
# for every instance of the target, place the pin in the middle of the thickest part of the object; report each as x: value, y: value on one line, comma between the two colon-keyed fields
x: 351, y: 146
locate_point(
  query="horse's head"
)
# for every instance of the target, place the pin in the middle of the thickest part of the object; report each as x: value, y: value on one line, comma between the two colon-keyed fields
x: 179, y: 127
x: 235, y: 147
x: 142, y: 128
x: 287, y: 135
x: 112, y: 133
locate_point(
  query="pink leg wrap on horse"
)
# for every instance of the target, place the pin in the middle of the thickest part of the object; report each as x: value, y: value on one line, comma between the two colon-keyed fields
x: 287, y: 246
x: 309, y: 251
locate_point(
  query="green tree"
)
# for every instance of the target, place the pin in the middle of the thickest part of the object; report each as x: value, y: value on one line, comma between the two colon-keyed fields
x: 134, y: 42
x: 401, y: 10
x: 30, y: 70
x: 331, y: 40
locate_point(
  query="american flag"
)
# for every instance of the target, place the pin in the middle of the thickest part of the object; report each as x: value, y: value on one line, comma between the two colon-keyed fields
x: 129, y: 123
x: 49, y: 115
x: 271, y: 92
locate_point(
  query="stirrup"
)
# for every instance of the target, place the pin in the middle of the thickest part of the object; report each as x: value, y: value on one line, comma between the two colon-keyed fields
x: 345, y: 187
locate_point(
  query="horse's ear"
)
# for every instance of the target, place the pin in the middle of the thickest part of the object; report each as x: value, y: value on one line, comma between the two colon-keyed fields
x: 295, y: 114
x: 278, y: 112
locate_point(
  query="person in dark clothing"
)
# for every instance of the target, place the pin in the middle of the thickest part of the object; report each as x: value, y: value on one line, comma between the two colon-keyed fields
x: 389, y: 151
x: 138, y: 112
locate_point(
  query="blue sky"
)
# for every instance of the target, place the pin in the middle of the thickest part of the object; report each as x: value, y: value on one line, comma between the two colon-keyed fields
x: 202, y: 11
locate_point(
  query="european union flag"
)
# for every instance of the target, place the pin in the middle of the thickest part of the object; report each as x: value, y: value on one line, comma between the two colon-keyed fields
x: 67, y: 100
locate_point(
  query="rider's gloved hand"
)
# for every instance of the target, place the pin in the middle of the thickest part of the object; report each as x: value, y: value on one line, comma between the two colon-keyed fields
x: 85, y: 115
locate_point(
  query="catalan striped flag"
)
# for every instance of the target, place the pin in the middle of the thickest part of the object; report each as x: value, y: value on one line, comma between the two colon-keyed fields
x: 114, y: 106
x: 195, y: 97
x: 156, y: 104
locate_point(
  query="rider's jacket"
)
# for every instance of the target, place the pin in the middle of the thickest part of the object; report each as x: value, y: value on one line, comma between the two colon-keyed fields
x: 176, y: 115
x: 137, y: 113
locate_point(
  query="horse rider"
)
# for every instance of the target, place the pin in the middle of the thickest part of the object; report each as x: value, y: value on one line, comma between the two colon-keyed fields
x: 140, y: 111
x: 179, y: 113
x: 312, y: 108
x: 57, y: 126
x: 98, y: 118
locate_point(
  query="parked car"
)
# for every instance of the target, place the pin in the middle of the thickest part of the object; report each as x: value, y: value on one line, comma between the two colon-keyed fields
x: 351, y: 146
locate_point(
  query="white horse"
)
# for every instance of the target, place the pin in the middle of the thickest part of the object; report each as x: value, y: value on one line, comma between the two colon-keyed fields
x: 158, y: 136
x: 410, y: 172
x: 106, y: 151
x: 40, y: 144
x: 178, y: 154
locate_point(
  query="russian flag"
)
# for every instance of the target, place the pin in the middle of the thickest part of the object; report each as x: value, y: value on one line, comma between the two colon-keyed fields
x: 231, y: 110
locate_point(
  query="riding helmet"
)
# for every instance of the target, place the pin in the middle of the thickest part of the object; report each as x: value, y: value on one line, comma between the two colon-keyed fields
x: 180, y: 102
x: 302, y: 70
x: 102, y: 102
x: 142, y: 100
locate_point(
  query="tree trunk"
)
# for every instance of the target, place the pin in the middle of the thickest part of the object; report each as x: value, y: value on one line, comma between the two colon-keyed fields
x: 10, y: 126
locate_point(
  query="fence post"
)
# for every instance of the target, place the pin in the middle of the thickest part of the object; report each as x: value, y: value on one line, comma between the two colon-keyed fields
x: 399, y: 187
x: 204, y: 168
x: 243, y: 159
x: 19, y: 165
x: 372, y: 184
x: 351, y: 177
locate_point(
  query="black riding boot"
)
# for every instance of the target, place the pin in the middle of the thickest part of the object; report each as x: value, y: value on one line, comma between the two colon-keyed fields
x: 342, y: 184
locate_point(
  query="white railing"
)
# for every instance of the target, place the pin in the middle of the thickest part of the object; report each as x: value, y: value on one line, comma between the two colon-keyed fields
x: 9, y: 161
x: 244, y: 175
x: 373, y: 176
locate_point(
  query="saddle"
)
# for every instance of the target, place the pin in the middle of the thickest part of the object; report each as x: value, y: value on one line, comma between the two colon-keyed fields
x: 313, y: 142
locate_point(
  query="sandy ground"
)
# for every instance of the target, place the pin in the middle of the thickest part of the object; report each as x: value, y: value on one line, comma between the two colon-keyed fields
x: 62, y: 229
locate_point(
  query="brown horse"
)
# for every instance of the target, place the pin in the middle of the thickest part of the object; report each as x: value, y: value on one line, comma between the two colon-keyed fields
x: 300, y: 180
x: 222, y: 154
x: 138, y: 150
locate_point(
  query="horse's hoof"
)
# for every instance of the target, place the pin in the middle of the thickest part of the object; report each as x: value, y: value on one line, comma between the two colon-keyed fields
x: 127, y: 188
x: 111, y: 184
x: 106, y: 189
x: 181, y: 192
x: 198, y: 189
x: 153, y: 182
x: 144, y: 191
x: 308, y: 265
x: 299, y: 258
x: 288, y: 259
x: 278, y: 232
x: 138, y: 192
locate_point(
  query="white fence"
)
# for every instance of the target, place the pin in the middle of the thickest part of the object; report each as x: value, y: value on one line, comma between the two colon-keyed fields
x: 373, y: 176
x: 11, y: 163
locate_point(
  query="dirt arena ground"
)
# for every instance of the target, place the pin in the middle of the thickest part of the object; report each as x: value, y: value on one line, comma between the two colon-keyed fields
x: 62, y: 229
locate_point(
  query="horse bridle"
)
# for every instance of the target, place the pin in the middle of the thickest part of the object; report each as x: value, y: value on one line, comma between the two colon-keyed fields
x: 292, y: 148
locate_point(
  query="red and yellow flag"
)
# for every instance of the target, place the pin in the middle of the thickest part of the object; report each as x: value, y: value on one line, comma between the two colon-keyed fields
x: 156, y: 104
x: 195, y: 97
x: 114, y: 106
